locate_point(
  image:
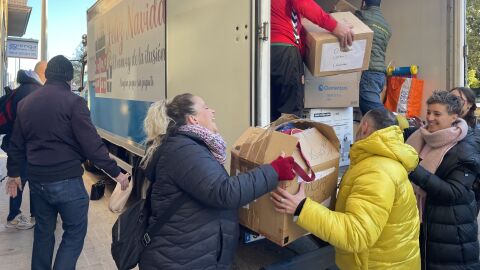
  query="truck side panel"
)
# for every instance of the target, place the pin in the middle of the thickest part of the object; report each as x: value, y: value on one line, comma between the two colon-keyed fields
x: 126, y: 57
x: 209, y: 46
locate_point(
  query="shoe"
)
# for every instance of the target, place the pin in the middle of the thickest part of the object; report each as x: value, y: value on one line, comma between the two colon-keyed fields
x: 32, y: 220
x: 20, y: 222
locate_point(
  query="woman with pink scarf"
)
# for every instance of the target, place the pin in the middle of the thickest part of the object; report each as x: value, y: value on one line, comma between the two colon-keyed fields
x: 443, y: 183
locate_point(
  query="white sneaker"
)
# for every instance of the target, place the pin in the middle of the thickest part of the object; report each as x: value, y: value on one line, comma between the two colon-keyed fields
x: 20, y: 222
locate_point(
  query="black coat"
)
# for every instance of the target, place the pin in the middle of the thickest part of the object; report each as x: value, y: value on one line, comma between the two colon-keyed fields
x: 53, y: 132
x: 203, y: 233
x: 450, y: 222
x: 28, y: 84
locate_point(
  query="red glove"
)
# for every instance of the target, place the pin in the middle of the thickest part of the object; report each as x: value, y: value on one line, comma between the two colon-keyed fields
x: 284, y: 168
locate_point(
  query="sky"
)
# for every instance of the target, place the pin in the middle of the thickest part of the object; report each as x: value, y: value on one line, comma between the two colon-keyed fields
x: 67, y: 23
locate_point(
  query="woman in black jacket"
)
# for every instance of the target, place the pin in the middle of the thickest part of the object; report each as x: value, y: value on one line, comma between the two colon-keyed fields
x: 448, y: 167
x: 186, y: 157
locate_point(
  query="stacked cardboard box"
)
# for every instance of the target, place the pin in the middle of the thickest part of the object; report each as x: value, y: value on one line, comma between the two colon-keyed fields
x: 332, y: 76
x: 318, y: 145
x: 341, y: 121
x: 324, y: 55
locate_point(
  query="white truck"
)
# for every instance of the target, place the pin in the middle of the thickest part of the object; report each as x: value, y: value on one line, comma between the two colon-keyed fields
x: 140, y: 51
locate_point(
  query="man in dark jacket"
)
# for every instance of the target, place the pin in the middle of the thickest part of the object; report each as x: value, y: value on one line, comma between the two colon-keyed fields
x: 29, y: 81
x: 54, y: 134
x: 373, y: 80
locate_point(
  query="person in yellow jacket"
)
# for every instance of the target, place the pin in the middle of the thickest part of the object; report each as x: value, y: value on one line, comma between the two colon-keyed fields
x: 375, y: 224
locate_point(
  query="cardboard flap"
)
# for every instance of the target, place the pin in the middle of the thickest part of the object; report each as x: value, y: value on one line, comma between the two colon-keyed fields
x: 324, y: 129
x: 284, y: 118
x: 243, y: 144
x: 316, y: 148
x: 279, y: 143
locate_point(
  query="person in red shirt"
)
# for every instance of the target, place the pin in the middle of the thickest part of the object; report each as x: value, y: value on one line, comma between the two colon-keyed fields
x: 286, y: 79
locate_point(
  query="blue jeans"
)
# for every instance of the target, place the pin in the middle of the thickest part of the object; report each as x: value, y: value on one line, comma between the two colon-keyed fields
x: 16, y: 203
x: 371, y: 85
x: 68, y: 198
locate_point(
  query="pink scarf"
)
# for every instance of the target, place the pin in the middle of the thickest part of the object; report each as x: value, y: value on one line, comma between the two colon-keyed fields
x: 432, y: 147
x: 214, y: 141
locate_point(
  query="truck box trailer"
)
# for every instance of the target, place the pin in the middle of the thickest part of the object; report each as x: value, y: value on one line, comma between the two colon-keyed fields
x: 141, y: 51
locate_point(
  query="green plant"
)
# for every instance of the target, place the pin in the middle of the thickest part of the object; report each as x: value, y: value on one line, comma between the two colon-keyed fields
x: 473, y: 81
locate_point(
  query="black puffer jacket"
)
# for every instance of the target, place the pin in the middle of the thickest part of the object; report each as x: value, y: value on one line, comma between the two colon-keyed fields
x: 450, y: 220
x: 203, y: 233
x: 29, y: 82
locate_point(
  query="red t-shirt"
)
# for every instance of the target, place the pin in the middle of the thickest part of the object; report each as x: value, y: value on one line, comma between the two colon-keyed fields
x: 286, y: 20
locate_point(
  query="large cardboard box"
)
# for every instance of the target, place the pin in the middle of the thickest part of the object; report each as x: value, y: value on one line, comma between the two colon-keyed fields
x: 257, y: 146
x: 332, y: 91
x: 324, y: 56
x: 341, y: 119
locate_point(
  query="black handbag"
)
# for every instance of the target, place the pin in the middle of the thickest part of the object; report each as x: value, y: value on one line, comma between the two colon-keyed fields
x: 131, y: 233
x: 97, y: 191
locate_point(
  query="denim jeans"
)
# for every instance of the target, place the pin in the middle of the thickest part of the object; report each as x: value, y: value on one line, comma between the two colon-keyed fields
x: 68, y: 198
x: 371, y: 85
x: 16, y: 203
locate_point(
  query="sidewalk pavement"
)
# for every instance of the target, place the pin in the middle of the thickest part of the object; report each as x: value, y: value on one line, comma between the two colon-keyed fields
x: 16, y: 245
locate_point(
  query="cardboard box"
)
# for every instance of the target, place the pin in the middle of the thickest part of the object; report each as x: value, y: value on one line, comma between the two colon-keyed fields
x: 332, y: 91
x: 257, y: 146
x: 324, y: 56
x: 343, y: 6
x: 341, y: 119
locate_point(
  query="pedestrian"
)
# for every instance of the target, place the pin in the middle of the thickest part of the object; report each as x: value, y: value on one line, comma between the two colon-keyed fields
x: 40, y: 70
x: 373, y: 80
x: 287, y: 48
x: 449, y: 165
x: 53, y: 134
x: 186, y: 158
x: 29, y: 82
x: 375, y: 224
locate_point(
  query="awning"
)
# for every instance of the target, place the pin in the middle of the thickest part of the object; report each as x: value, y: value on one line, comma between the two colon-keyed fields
x: 18, y: 16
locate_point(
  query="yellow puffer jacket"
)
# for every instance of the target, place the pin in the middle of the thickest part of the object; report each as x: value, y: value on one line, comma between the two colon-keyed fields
x: 375, y: 224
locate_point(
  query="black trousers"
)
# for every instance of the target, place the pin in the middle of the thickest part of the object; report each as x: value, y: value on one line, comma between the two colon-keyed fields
x: 286, y: 81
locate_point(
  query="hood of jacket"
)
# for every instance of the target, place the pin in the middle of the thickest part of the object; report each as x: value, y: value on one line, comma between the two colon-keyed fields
x: 28, y: 76
x: 387, y: 142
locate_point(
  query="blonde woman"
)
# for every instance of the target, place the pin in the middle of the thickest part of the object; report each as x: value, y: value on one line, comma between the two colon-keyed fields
x: 186, y: 156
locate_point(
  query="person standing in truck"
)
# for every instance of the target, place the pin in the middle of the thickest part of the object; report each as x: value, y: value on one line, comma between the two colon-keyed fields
x: 287, y: 74
x: 373, y: 80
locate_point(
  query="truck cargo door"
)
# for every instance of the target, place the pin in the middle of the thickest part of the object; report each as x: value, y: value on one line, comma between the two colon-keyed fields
x: 209, y: 53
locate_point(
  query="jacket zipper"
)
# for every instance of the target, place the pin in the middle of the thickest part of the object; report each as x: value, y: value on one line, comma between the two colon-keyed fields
x: 118, y: 231
x: 426, y: 238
